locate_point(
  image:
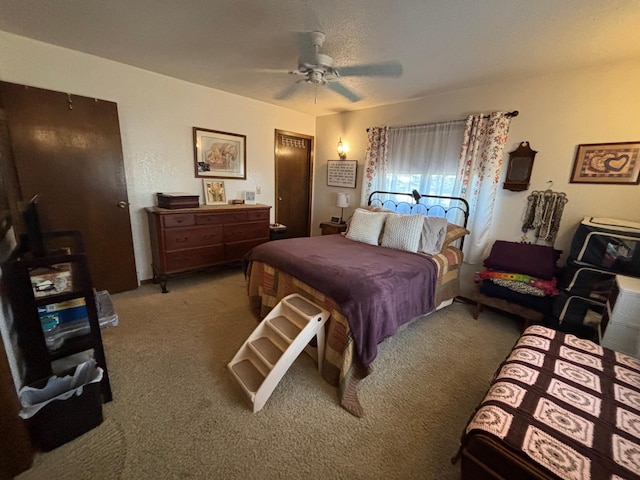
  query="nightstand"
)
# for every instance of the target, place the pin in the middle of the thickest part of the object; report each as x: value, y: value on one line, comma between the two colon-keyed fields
x: 331, y: 228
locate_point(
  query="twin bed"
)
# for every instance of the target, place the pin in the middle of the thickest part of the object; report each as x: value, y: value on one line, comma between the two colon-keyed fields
x: 374, y: 280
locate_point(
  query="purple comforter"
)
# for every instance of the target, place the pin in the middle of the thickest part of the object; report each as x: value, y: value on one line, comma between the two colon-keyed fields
x: 378, y: 289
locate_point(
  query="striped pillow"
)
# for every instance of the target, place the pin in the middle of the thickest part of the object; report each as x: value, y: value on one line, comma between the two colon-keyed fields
x: 454, y: 232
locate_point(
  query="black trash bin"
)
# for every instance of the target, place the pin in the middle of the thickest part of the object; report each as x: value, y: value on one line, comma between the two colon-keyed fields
x: 61, y: 408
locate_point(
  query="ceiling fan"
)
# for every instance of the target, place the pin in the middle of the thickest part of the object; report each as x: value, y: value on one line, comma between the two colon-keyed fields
x: 318, y: 69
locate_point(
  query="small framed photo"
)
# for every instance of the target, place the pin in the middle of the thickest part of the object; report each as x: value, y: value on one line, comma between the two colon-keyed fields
x: 249, y: 197
x: 219, y: 154
x: 612, y: 163
x: 214, y: 193
x: 335, y: 219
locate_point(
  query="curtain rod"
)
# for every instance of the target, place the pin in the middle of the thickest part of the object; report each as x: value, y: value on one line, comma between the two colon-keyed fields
x: 512, y: 114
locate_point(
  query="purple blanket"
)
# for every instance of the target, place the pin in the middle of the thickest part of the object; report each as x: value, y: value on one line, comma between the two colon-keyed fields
x: 378, y: 289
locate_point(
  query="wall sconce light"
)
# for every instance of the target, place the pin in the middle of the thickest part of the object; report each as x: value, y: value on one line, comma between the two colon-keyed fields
x: 342, y: 202
x: 341, y: 150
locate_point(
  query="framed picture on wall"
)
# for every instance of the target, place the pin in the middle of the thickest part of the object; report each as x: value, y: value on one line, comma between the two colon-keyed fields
x: 342, y: 173
x: 614, y: 163
x: 219, y: 154
x: 214, y: 192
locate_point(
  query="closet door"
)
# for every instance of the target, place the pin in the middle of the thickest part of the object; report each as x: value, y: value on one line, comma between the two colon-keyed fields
x: 67, y: 150
x: 294, y: 171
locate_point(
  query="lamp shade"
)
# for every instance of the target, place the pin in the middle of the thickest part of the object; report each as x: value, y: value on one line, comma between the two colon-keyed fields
x: 343, y: 200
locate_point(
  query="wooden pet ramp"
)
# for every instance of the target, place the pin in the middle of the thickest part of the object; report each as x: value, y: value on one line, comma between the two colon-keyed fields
x: 274, y: 345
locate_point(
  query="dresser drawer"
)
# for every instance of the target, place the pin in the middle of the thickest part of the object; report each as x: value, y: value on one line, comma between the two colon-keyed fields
x: 180, y: 238
x: 246, y: 231
x: 256, y: 215
x: 192, y: 258
x: 237, y: 250
x: 178, y: 220
x: 221, y: 218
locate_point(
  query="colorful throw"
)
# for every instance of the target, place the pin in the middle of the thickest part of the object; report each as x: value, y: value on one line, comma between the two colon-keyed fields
x: 569, y: 405
x: 517, y: 281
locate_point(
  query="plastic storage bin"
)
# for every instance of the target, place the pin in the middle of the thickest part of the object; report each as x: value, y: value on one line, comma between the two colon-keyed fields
x: 61, y: 408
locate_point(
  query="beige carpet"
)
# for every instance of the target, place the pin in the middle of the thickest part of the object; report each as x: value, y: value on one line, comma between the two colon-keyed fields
x: 177, y: 413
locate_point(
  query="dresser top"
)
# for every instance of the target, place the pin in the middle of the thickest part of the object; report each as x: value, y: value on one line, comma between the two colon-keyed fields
x: 207, y: 209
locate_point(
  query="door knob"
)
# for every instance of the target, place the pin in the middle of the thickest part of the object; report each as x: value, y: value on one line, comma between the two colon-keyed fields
x: 280, y: 198
x: 122, y: 204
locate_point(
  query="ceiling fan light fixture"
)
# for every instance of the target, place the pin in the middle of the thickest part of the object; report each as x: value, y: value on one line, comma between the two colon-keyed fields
x: 318, y: 69
x: 316, y: 76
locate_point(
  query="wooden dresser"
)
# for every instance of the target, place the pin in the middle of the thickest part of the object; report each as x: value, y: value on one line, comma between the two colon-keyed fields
x: 191, y: 239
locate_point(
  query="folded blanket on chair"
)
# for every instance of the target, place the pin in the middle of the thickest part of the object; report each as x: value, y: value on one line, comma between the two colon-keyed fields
x: 535, y: 260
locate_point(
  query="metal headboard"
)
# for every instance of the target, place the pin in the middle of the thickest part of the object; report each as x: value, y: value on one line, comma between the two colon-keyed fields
x: 415, y: 202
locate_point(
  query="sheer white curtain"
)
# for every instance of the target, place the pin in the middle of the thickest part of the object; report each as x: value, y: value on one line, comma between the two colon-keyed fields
x: 421, y: 157
x: 460, y: 158
x: 480, y: 165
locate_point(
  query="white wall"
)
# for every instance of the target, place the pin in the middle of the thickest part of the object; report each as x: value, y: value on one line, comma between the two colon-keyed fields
x: 157, y: 114
x: 557, y: 113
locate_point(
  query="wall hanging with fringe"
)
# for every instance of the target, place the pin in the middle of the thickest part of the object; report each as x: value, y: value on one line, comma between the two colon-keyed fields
x: 543, y: 214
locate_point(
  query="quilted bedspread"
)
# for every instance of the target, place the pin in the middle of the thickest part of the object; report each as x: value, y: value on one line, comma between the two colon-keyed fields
x: 568, y: 405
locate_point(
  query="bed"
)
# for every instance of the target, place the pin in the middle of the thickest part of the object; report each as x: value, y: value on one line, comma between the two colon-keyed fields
x: 559, y: 407
x: 371, y: 288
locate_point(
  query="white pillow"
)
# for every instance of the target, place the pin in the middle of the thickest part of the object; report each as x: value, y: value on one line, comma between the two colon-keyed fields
x: 403, y: 232
x: 366, y: 226
x: 434, y: 231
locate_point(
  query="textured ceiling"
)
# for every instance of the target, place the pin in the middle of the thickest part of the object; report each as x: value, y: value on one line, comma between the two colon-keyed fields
x: 248, y: 46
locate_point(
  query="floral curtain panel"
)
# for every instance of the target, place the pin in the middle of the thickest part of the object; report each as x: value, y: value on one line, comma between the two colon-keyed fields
x: 375, y: 161
x: 481, y: 159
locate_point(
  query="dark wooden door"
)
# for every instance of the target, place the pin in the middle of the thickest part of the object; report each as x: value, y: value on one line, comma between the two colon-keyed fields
x: 16, y: 454
x: 294, y: 168
x: 67, y: 150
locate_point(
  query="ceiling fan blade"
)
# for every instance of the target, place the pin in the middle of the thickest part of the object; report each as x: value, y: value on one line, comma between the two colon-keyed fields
x: 290, y: 90
x: 392, y: 68
x: 270, y: 70
x: 344, y: 91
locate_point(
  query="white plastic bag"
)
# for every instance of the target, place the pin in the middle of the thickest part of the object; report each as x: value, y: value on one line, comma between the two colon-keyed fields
x: 58, y: 388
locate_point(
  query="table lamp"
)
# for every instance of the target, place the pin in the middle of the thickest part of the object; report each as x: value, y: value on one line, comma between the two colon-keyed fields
x: 342, y: 203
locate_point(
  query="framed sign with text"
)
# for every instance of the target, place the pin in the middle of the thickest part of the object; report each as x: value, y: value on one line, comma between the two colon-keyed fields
x: 342, y: 173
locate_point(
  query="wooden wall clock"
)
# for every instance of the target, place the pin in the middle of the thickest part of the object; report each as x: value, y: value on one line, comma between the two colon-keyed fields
x: 520, y: 167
